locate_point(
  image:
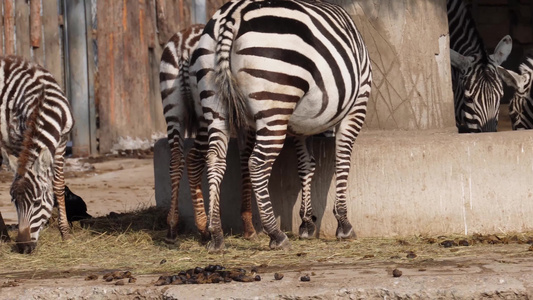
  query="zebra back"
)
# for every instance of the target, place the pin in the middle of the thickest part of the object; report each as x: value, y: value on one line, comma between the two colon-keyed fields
x: 178, y: 103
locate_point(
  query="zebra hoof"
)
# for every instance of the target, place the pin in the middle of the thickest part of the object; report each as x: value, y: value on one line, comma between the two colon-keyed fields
x: 66, y: 236
x: 281, y: 243
x: 250, y: 235
x: 205, y: 237
x: 307, y: 230
x: 346, y: 233
x: 216, y: 244
x: 172, y: 237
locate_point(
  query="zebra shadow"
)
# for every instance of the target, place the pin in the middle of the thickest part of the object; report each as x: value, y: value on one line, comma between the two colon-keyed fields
x: 285, y: 186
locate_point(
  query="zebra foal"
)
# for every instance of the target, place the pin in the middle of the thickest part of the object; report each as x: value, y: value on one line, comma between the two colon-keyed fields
x: 183, y: 114
x: 35, y: 120
x: 286, y: 67
x: 477, y: 87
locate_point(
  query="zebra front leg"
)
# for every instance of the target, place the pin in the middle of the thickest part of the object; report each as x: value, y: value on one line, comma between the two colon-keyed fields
x: 177, y: 162
x: 195, y: 169
x: 345, y: 137
x: 245, y: 150
x: 268, y: 146
x: 216, y: 167
x: 59, y: 189
x: 306, y: 170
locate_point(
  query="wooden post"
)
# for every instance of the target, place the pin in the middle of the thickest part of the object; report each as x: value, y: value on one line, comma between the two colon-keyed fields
x: 4, y: 235
x: 22, y: 28
x: 9, y: 27
x: 35, y: 17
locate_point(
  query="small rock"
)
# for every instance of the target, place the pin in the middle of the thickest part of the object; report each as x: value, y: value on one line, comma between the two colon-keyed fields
x: 396, y: 273
x: 278, y: 276
x: 132, y: 280
x: 411, y: 255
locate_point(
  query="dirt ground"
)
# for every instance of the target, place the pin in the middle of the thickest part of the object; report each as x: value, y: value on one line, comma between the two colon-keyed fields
x: 106, y: 184
x: 500, y: 271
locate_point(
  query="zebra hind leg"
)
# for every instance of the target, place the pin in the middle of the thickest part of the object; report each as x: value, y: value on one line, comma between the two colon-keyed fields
x: 176, y: 171
x: 267, y: 148
x: 216, y: 167
x: 306, y: 170
x: 195, y: 169
x: 245, y: 149
x: 345, y: 137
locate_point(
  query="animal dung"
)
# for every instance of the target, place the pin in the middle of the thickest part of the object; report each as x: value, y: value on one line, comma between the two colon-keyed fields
x: 116, y: 275
x: 396, y: 273
x: 91, y: 277
x: 411, y: 254
x: 278, y: 276
x: 305, y: 278
x: 209, y: 274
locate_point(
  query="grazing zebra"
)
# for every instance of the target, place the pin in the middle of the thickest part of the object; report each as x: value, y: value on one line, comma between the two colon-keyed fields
x: 521, y: 105
x: 477, y: 89
x: 183, y: 114
x: 35, y: 120
x: 286, y: 67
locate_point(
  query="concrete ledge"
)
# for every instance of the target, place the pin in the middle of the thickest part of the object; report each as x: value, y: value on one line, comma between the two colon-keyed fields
x: 406, y: 183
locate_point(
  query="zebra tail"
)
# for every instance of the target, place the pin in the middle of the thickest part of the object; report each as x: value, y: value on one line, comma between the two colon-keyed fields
x: 230, y: 93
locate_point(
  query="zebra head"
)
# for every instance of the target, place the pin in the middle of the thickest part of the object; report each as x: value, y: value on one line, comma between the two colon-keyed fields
x: 521, y: 105
x: 481, y: 87
x: 32, y: 194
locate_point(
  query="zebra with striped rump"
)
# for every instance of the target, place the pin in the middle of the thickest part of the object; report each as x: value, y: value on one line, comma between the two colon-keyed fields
x: 35, y: 120
x: 521, y: 105
x: 477, y: 88
x: 183, y: 114
x: 286, y: 67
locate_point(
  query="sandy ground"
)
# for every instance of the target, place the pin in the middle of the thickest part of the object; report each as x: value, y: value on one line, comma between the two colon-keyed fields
x: 498, y: 272
x: 106, y: 184
x: 494, y: 271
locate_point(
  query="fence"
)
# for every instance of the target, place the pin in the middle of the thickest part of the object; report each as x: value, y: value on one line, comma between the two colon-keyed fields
x: 105, y: 54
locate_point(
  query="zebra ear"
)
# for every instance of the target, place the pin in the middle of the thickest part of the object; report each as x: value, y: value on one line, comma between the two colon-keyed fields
x: 502, y: 50
x: 511, y: 78
x: 460, y: 61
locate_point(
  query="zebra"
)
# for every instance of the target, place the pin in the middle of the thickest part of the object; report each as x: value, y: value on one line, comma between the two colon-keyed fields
x: 35, y: 121
x: 278, y: 68
x: 183, y: 114
x: 477, y: 88
x: 521, y: 105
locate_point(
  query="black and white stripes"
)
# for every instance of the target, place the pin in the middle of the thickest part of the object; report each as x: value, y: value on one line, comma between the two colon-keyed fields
x: 288, y: 67
x: 521, y: 105
x: 476, y: 85
x: 35, y: 120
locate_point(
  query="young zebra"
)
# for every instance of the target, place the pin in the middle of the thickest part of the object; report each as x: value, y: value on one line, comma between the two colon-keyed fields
x: 477, y: 89
x: 35, y: 120
x: 521, y: 105
x: 183, y: 113
x: 286, y: 67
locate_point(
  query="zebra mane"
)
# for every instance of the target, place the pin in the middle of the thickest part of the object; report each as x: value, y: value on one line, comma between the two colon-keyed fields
x: 527, y: 65
x: 464, y: 36
x: 27, y: 156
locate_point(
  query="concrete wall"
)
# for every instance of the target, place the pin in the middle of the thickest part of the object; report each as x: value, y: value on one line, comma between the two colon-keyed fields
x: 402, y: 183
x: 408, y: 44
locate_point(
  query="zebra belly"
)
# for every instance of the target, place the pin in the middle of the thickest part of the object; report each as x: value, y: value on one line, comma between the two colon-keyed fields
x: 304, y: 123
